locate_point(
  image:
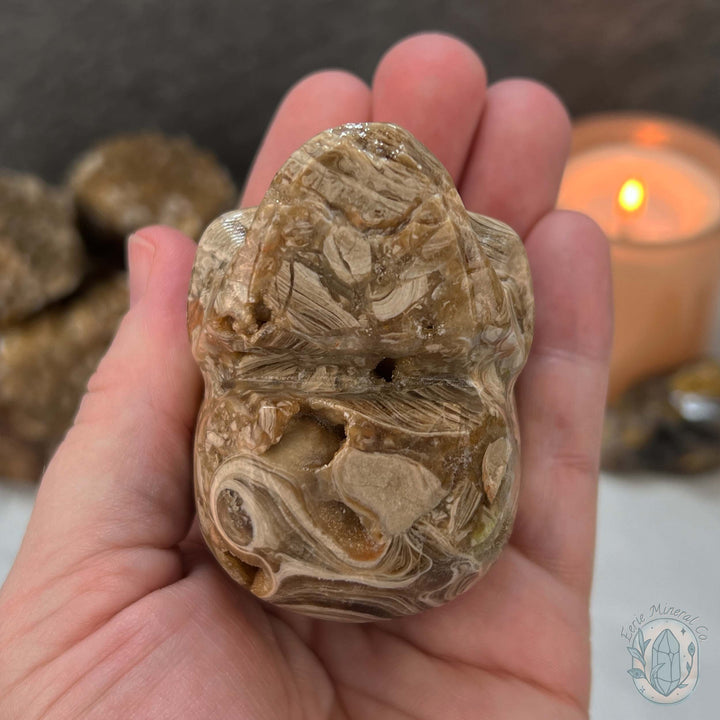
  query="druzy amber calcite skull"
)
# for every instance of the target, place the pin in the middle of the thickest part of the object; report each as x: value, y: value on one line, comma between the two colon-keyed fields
x: 360, y: 334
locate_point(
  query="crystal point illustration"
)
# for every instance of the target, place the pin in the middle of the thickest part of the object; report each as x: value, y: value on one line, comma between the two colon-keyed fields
x: 666, y: 657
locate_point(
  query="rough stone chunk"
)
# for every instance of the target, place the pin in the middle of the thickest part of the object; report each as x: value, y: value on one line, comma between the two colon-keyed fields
x: 133, y: 180
x: 41, y: 254
x: 669, y: 423
x: 45, y: 364
x: 360, y: 334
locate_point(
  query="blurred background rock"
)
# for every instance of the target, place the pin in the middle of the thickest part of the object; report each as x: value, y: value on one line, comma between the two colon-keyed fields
x: 77, y: 71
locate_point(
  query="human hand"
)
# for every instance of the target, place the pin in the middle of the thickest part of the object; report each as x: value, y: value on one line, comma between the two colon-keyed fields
x: 114, y: 608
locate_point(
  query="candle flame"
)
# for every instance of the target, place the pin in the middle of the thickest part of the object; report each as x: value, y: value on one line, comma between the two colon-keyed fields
x: 631, y: 196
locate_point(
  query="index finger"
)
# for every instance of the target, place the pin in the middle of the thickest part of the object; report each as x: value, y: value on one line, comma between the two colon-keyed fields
x: 319, y: 101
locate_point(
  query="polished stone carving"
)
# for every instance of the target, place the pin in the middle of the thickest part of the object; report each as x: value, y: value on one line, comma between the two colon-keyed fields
x: 359, y: 334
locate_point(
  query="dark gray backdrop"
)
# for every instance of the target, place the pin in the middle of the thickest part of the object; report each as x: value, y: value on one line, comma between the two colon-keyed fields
x: 72, y: 71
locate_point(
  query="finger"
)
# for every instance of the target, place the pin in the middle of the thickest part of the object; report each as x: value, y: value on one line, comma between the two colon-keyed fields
x: 514, y: 169
x: 317, y: 102
x: 122, y: 477
x: 434, y: 86
x: 561, y: 395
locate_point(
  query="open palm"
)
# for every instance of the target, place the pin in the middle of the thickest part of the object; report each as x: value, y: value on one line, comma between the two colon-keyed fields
x: 115, y: 609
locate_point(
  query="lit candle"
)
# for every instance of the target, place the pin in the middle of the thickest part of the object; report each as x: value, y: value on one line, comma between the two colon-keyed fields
x: 653, y: 185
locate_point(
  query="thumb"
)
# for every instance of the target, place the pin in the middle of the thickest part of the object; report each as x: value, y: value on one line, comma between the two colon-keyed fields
x: 123, y: 477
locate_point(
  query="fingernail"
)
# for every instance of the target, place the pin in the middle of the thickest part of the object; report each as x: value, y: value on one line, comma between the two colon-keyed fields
x: 140, y: 260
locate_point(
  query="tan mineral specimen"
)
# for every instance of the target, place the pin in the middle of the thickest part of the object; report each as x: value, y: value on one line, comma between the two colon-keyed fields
x: 129, y: 181
x: 360, y: 334
x: 45, y: 364
x: 41, y: 254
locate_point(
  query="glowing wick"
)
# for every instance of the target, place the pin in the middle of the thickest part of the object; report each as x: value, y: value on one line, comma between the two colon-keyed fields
x: 631, y: 196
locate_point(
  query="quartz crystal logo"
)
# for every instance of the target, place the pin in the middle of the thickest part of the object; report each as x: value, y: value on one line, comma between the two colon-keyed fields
x: 665, y: 660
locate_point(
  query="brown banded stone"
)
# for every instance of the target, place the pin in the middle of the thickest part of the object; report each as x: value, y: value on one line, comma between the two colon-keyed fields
x: 359, y: 333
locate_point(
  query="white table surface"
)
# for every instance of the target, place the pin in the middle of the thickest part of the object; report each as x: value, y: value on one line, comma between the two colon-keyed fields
x: 658, y: 542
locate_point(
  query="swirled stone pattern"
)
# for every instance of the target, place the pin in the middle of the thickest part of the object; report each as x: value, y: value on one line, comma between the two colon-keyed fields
x: 359, y: 333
